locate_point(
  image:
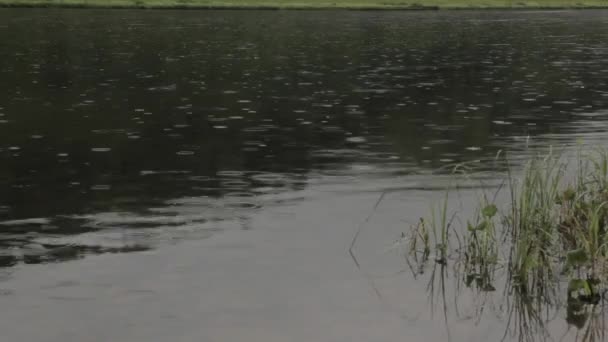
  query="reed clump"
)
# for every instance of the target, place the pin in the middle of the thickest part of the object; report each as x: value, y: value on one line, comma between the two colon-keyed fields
x: 551, y: 230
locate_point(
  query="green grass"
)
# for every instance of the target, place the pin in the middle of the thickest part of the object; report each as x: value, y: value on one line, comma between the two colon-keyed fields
x: 311, y: 4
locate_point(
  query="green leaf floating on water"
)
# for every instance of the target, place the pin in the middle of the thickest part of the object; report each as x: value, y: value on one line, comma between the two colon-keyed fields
x: 579, y: 287
x: 489, y: 211
x: 577, y: 257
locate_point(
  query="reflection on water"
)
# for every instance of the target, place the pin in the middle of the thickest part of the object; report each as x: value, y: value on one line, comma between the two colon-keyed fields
x: 122, y: 130
x: 522, y: 316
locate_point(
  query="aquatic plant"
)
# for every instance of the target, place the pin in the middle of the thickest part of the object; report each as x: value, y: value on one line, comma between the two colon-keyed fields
x: 552, y: 231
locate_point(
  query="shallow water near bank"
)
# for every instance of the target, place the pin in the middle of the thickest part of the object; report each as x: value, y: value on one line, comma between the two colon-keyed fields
x: 168, y: 175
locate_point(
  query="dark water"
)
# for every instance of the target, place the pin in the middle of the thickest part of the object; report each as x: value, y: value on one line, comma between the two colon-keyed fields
x: 124, y: 131
x: 119, y: 112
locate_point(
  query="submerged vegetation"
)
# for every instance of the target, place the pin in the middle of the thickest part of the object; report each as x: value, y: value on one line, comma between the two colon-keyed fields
x: 543, y: 249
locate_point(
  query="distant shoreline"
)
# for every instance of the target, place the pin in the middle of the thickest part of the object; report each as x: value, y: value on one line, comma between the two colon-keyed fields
x: 361, y: 5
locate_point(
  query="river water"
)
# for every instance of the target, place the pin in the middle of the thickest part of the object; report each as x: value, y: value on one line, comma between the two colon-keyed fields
x: 202, y: 175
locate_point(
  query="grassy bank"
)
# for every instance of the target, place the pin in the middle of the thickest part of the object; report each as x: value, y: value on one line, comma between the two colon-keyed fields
x: 312, y: 4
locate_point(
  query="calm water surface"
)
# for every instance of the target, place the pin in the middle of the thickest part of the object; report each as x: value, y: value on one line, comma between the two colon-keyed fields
x: 133, y: 131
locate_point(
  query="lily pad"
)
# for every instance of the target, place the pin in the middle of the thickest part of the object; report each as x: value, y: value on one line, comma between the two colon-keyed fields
x: 489, y: 211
